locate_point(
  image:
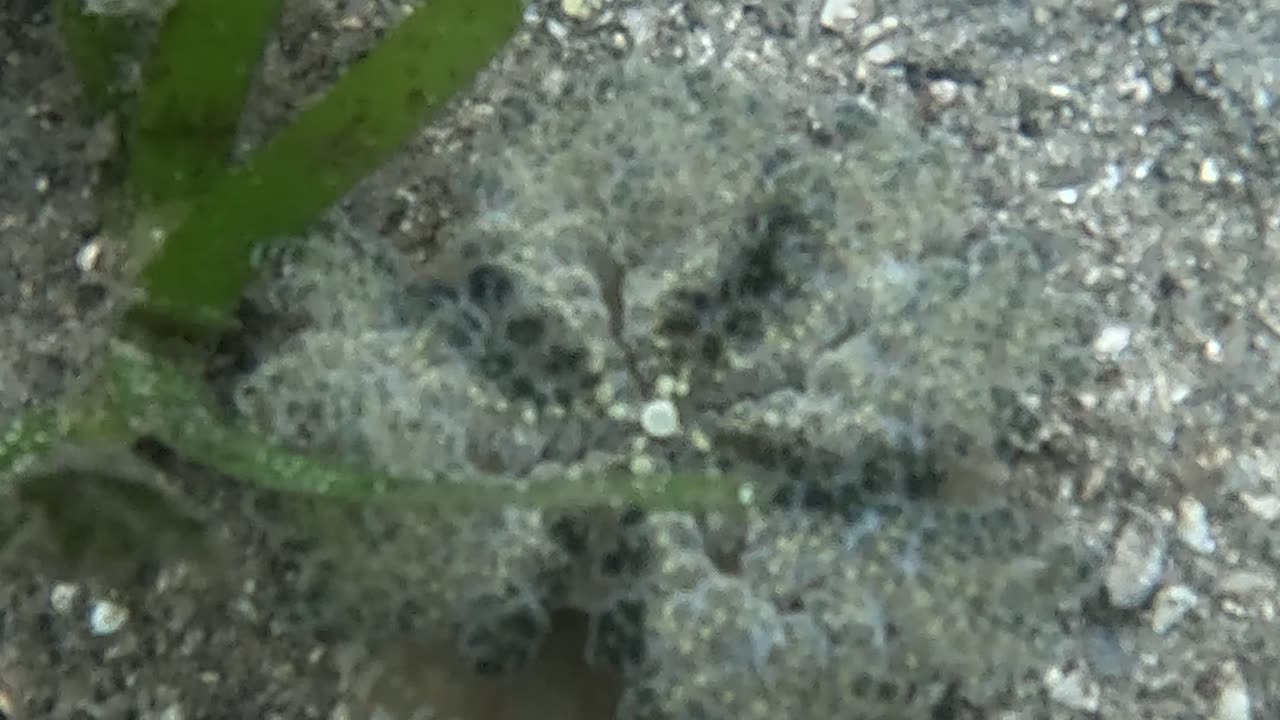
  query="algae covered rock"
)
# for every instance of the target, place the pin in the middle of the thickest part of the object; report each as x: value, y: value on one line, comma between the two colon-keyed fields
x: 826, y: 326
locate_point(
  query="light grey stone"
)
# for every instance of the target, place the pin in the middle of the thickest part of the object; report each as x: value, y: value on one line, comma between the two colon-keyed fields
x: 1136, y: 565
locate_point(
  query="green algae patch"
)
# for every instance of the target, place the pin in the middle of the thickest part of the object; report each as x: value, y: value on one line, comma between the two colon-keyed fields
x: 194, y: 83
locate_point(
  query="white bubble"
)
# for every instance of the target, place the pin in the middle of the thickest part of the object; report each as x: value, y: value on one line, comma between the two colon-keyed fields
x: 660, y: 418
x: 106, y: 617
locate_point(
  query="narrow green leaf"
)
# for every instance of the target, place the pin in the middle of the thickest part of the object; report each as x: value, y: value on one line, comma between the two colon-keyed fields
x: 98, y: 47
x: 194, y: 84
x: 162, y: 401
x: 201, y: 269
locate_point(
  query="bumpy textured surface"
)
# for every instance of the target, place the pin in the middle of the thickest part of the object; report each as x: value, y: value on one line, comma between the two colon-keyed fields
x: 1133, y: 145
x: 828, y: 325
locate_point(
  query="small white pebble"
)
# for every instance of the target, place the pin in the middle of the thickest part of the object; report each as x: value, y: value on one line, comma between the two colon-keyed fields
x: 1233, y: 696
x: 1112, y: 178
x: 63, y: 597
x: 579, y: 9
x: 351, y: 22
x: 1068, y: 196
x: 1212, y: 350
x: 557, y: 29
x: 881, y: 53
x: 1137, y: 88
x: 87, y: 258
x: 1073, y: 689
x: 1136, y: 565
x: 700, y: 440
x: 1193, y: 526
x: 879, y: 30
x: 660, y: 418
x: 1210, y: 173
x: 944, y: 92
x: 1266, y: 507
x: 840, y: 15
x: 106, y: 617
x: 1112, y: 340
x: 1171, y: 604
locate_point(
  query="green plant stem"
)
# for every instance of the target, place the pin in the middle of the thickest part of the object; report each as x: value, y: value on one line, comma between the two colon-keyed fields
x: 146, y: 396
x: 161, y: 401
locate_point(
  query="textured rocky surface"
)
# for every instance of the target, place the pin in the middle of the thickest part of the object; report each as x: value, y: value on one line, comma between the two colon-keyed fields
x: 975, y: 295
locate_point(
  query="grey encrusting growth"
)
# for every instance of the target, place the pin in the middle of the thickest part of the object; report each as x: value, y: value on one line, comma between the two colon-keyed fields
x: 831, y: 325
